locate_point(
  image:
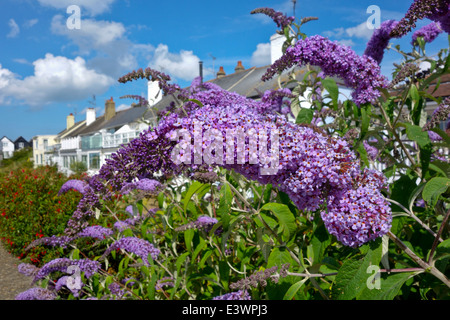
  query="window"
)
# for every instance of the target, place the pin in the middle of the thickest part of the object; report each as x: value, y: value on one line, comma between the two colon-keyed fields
x: 65, y: 161
x: 36, y: 144
x: 45, y: 143
x: 37, y: 159
x: 21, y: 145
x: 94, y: 160
x: 84, y: 159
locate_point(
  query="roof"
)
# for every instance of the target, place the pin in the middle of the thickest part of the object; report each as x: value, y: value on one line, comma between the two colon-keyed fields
x: 121, y: 118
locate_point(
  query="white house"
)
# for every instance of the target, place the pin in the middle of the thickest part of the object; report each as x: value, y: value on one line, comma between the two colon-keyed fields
x: 7, y: 147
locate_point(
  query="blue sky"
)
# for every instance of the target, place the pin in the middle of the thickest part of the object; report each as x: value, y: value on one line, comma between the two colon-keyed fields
x: 48, y: 70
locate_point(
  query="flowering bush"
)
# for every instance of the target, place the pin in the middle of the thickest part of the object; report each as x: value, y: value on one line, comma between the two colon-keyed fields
x: 31, y: 209
x: 208, y: 218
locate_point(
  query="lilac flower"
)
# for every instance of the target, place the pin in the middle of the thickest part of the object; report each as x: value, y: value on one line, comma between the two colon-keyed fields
x: 361, y: 73
x: 380, y: 40
x: 311, y: 165
x: 84, y: 210
x: 78, y: 185
x: 117, y: 290
x: 151, y: 75
x: 27, y: 269
x: 441, y: 113
x: 163, y: 282
x: 53, y: 241
x: 279, y: 18
x: 206, y: 223
x: 96, y: 232
x: 428, y: 32
x: 139, y: 247
x: 36, y: 294
x: 436, y: 10
x: 372, y: 152
x: 237, y: 295
x: 89, y: 267
x: 360, y: 214
x: 146, y: 185
x: 434, y: 136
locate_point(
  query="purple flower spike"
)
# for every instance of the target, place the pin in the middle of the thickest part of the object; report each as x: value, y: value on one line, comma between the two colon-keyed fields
x: 380, y: 40
x: 279, y: 18
x: 78, y: 185
x: 428, y: 32
x: 362, y: 73
x: 237, y: 295
x: 36, y: 294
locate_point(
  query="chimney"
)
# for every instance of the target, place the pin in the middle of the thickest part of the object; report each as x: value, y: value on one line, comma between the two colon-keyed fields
x: 110, y: 109
x: 154, y: 93
x: 90, y: 116
x: 70, y: 121
x: 276, y: 45
x: 220, y: 73
x: 200, y: 67
x: 239, y: 67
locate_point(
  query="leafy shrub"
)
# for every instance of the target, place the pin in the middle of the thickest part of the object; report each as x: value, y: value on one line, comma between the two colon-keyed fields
x: 31, y: 209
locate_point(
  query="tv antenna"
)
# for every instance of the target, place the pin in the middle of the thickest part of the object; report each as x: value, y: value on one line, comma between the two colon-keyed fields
x: 294, y: 2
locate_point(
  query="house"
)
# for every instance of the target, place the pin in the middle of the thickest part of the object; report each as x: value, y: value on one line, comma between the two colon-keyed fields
x: 93, y: 140
x: 7, y: 147
x: 21, y: 143
x: 43, y: 148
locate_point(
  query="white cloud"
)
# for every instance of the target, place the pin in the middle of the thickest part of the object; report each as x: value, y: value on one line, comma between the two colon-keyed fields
x: 14, y: 29
x: 359, y: 31
x: 183, y: 65
x: 113, y: 54
x: 55, y: 79
x: 91, y: 7
x: 93, y: 34
x: 30, y: 23
x: 261, y: 56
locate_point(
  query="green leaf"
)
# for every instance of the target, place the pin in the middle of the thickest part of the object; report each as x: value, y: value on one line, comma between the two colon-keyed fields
x: 352, y: 277
x: 443, y: 250
x: 305, y: 115
x: 196, y: 187
x: 278, y: 257
x: 224, y: 208
x: 330, y: 85
x: 434, y: 188
x: 389, y: 287
x: 293, y: 289
x: 285, y: 218
x: 416, y: 133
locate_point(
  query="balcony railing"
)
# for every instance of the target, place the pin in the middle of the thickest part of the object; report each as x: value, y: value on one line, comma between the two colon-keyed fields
x: 91, y: 142
x: 117, y: 139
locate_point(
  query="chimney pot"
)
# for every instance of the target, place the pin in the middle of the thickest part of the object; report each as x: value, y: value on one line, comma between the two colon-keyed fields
x: 221, y: 72
x: 239, y: 67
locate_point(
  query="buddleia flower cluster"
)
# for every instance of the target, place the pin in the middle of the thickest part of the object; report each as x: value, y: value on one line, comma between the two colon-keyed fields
x: 304, y: 162
x: 279, y: 18
x: 362, y: 73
